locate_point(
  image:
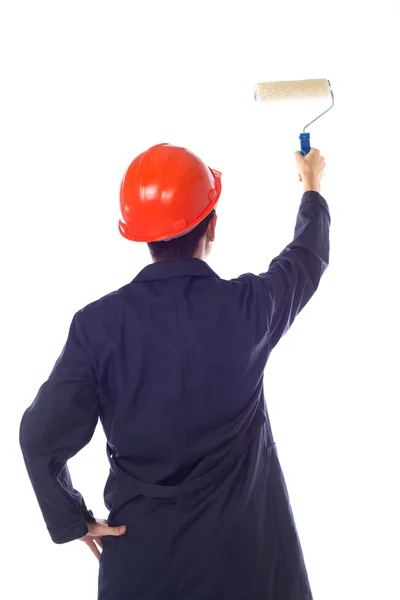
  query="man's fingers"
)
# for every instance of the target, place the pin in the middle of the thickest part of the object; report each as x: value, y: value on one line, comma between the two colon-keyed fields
x: 93, y: 548
x: 99, y: 541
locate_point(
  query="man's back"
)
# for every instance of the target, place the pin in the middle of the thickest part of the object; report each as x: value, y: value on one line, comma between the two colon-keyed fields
x: 180, y: 355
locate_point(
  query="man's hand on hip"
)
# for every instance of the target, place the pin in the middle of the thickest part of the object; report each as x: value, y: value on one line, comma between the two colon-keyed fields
x: 97, y: 531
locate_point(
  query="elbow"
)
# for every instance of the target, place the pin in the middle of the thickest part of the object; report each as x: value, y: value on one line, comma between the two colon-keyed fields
x: 28, y: 441
x: 24, y: 437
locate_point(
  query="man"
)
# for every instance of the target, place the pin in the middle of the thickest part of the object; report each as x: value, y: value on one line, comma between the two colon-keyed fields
x: 173, y: 365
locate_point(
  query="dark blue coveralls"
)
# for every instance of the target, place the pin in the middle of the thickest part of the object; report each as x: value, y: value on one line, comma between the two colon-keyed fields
x: 173, y: 365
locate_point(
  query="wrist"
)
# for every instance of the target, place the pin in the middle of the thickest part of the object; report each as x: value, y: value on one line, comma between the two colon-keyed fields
x: 311, y: 186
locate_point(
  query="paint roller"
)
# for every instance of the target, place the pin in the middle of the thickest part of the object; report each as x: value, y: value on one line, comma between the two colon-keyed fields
x: 308, y: 89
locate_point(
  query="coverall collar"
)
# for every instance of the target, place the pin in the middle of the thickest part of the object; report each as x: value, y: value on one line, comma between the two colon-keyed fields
x: 167, y: 269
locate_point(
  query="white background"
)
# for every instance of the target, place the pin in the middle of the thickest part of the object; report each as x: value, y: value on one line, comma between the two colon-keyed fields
x: 85, y: 87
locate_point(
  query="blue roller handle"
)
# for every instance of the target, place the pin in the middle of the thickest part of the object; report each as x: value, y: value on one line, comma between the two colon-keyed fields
x: 305, y: 145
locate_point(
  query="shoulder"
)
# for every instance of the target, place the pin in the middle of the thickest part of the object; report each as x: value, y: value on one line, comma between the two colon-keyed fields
x: 105, y: 305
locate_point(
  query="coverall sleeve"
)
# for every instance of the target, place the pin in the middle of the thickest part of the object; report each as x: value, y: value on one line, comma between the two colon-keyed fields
x: 60, y: 422
x: 294, y: 275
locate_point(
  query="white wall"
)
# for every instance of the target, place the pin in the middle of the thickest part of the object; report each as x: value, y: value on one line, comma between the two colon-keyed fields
x: 85, y: 87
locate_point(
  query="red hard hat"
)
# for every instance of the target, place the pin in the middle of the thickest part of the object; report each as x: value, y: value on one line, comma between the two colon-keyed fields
x: 166, y: 191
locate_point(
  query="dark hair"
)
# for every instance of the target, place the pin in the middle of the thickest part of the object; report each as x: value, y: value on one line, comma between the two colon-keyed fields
x: 182, y: 247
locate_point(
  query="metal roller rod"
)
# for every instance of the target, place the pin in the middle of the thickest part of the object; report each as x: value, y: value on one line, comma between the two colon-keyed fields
x: 325, y: 111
